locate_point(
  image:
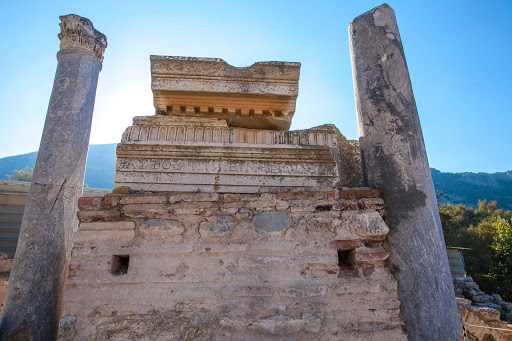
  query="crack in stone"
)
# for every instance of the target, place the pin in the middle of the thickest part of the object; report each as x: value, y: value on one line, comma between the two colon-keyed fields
x: 57, y: 196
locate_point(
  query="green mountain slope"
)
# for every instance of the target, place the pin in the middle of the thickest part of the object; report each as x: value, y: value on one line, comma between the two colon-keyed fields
x: 459, y: 188
x: 101, y: 164
x: 468, y: 188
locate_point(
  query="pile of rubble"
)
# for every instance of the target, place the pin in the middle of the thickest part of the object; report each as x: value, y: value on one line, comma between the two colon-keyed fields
x: 466, y: 288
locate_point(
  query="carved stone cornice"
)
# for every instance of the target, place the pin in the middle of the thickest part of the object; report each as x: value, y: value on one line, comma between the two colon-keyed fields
x: 79, y: 32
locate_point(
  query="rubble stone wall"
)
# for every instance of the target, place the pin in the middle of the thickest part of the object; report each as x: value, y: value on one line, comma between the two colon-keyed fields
x: 5, y: 271
x: 206, y: 266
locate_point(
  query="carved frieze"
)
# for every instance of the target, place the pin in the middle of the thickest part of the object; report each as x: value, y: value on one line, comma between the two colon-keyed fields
x: 261, y: 96
x: 164, y: 129
x: 178, y: 154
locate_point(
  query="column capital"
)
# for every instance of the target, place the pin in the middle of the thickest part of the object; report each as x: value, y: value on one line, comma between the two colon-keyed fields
x: 79, y: 33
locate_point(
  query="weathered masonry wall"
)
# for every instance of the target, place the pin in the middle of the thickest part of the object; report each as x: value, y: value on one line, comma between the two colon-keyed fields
x: 206, y: 266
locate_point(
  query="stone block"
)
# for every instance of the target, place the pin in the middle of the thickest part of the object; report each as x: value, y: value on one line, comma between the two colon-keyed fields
x: 481, y: 298
x: 493, y: 305
x: 231, y: 197
x: 297, y: 195
x: 186, y: 211
x: 5, y: 266
x: 93, y: 237
x: 302, y: 209
x: 486, y: 313
x: 216, y: 225
x: 345, y: 207
x: 161, y: 227
x: 367, y: 206
x: 122, y: 190
x: 361, y: 226
x: 248, y: 291
x: 302, y: 291
x: 344, y: 245
x: 497, y: 298
x: 507, y: 317
x: 371, y: 256
x: 358, y: 193
x: 209, y: 87
x: 199, y: 197
x: 220, y: 248
x: 113, y: 226
x: 506, y: 306
x: 271, y: 221
x: 143, y: 199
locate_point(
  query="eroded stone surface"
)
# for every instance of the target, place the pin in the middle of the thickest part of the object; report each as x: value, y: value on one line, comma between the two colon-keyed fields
x: 272, y: 221
x: 394, y: 161
x: 233, y: 267
x: 34, y: 295
x: 169, y: 154
x: 260, y: 96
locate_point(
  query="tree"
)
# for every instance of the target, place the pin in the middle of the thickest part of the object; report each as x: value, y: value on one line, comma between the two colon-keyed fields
x: 24, y: 174
x: 501, y: 271
x: 486, y: 231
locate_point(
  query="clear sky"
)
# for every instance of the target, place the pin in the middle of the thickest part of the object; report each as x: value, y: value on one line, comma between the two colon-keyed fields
x: 458, y: 54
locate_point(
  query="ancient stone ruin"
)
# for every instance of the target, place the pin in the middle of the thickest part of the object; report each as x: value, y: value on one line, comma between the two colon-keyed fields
x: 225, y: 225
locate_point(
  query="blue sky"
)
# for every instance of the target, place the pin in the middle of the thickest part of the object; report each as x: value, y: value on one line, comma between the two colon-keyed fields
x: 458, y: 54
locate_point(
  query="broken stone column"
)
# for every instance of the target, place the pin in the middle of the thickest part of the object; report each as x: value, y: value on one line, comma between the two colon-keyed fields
x: 34, y: 295
x: 395, y: 161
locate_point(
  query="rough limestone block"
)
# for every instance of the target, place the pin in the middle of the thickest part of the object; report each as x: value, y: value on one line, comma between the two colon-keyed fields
x: 368, y: 226
x: 272, y: 221
x: 161, y: 227
x: 217, y: 225
x: 97, y: 236
x: 113, y: 226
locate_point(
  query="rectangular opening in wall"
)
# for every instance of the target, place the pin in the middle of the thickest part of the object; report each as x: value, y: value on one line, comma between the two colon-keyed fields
x: 120, y: 264
x: 345, y: 259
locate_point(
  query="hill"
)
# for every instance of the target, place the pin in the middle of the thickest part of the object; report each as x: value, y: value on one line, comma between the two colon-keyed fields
x: 458, y: 188
x: 468, y: 188
x: 99, y: 173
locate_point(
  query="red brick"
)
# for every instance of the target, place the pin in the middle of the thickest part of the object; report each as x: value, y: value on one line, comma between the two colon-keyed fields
x: 331, y: 195
x: 344, y: 245
x: 370, y: 257
x: 345, y: 207
x: 359, y: 193
x: 143, y: 199
x: 98, y: 215
x: 111, y: 200
x: 89, y: 202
